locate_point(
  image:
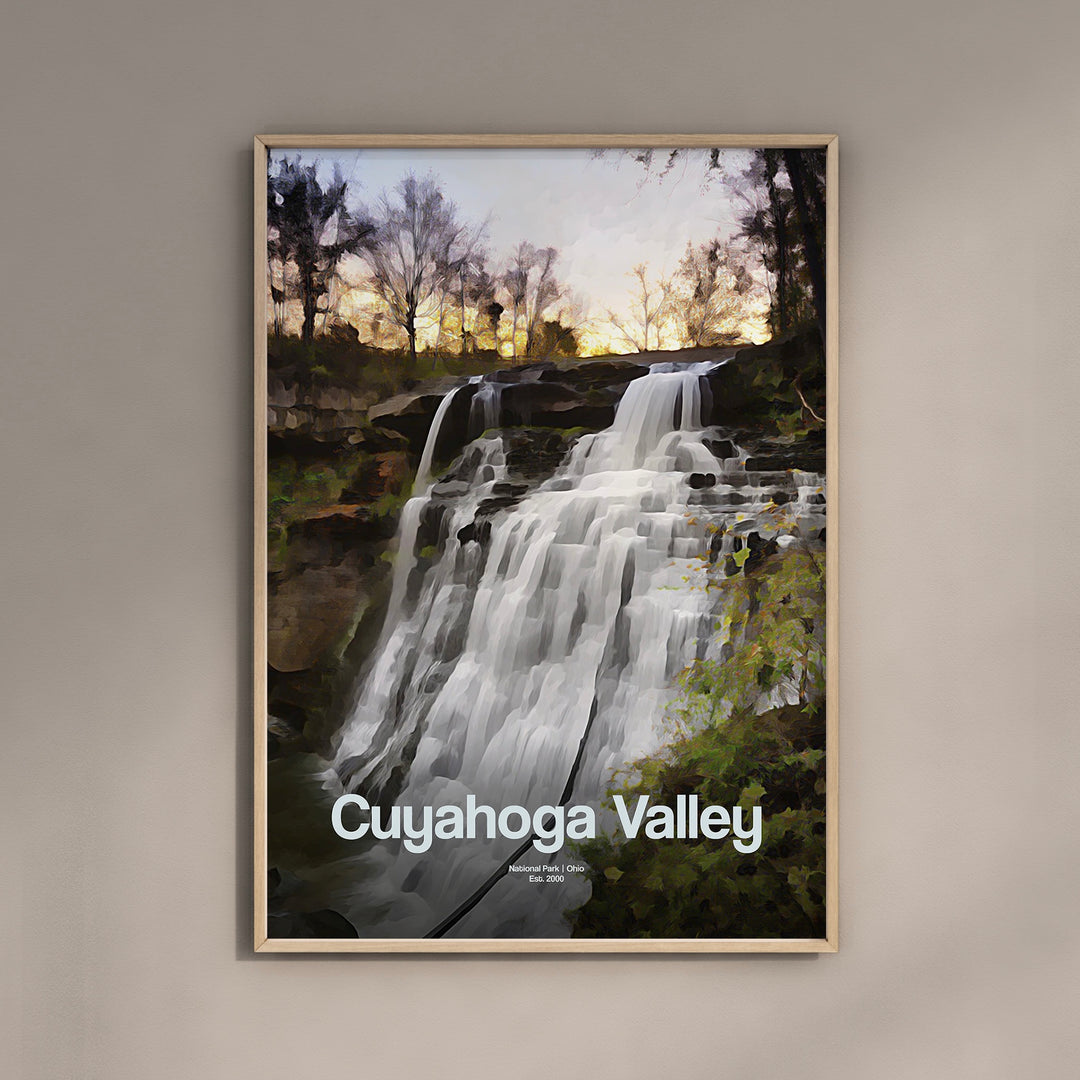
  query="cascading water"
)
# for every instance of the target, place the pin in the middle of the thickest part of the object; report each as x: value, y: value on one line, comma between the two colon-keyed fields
x: 486, y: 406
x: 568, y: 612
x: 409, y: 525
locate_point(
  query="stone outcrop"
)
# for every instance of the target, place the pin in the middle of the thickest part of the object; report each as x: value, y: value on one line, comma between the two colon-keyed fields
x: 333, y: 569
x: 778, y: 453
x: 751, y: 384
x: 320, y: 415
x: 564, y: 395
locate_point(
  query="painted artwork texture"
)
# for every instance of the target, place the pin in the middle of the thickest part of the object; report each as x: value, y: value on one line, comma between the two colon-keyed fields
x: 546, y: 543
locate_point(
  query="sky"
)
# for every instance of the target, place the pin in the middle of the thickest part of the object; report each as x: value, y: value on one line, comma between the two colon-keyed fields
x: 604, y: 215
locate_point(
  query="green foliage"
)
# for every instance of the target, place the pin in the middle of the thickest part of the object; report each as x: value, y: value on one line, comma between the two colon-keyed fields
x: 298, y: 490
x: 295, y: 491
x: 732, y: 741
x: 775, y: 625
x: 553, y: 339
x: 379, y: 373
x: 793, y: 423
x: 390, y: 503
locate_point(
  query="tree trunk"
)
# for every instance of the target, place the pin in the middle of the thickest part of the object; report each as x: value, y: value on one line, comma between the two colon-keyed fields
x: 310, y: 302
x: 815, y: 261
x: 463, y: 339
x: 782, y: 241
x: 438, y: 334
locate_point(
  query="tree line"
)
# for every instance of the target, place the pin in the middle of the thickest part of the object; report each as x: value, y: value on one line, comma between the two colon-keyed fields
x: 425, y: 267
x: 422, y: 261
x: 779, y: 237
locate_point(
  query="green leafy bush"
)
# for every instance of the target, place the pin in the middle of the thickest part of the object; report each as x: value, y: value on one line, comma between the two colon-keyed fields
x: 747, y: 727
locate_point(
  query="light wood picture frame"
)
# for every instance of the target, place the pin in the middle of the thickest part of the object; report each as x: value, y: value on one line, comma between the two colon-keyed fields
x: 298, y: 743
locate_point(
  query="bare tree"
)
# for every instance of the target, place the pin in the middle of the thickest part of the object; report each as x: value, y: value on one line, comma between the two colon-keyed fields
x: 532, y: 288
x: 781, y: 197
x: 710, y: 304
x: 417, y: 227
x: 650, y: 304
x: 444, y: 288
x: 515, y: 280
x: 543, y: 290
x: 311, y: 227
x: 467, y: 262
x: 482, y: 290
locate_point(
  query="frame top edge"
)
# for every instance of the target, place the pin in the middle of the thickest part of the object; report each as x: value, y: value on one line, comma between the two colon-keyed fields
x: 554, y: 140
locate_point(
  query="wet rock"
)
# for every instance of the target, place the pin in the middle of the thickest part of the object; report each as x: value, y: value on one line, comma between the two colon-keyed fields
x: 478, y: 531
x: 375, y: 440
x: 772, y: 454
x: 701, y: 480
x: 721, y: 449
x: 595, y: 374
x: 535, y: 453
x: 430, y: 529
x: 411, y: 413
x: 524, y: 372
x: 556, y: 405
x: 450, y: 489
x: 715, y: 544
x: 769, y: 479
x: 493, y: 505
x: 760, y: 550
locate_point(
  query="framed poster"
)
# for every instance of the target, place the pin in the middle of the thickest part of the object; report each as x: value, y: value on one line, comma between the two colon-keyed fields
x: 545, y: 612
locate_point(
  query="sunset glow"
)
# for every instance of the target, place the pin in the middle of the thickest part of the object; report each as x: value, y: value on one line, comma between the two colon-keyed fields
x: 601, y: 215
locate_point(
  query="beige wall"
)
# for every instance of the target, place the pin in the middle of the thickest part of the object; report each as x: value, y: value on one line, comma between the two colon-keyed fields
x: 125, y: 260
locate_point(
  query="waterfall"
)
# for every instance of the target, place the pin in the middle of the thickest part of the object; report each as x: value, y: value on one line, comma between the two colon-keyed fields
x: 422, y: 483
x: 486, y: 409
x: 409, y: 526
x: 571, y: 609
